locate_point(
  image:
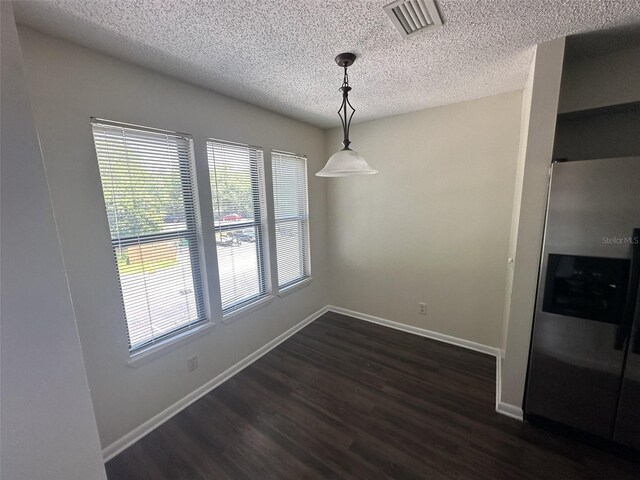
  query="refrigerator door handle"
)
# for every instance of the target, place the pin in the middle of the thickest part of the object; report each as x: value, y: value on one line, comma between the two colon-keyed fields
x: 635, y: 322
x: 626, y: 324
x: 635, y: 345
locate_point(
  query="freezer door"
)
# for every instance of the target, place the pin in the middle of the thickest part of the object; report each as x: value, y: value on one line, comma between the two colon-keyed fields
x: 579, y: 339
x: 627, y: 428
x: 575, y: 367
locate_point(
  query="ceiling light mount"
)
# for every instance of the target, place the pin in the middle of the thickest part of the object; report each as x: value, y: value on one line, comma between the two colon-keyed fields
x: 345, y: 60
x: 346, y: 162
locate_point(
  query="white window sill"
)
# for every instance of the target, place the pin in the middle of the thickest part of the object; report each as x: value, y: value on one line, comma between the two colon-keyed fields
x: 296, y: 286
x: 244, y: 311
x: 146, y: 354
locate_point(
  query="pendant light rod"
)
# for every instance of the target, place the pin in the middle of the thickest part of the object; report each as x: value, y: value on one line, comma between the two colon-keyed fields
x: 345, y: 60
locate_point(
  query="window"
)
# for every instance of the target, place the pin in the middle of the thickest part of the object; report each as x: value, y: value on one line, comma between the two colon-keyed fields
x: 291, y: 217
x: 236, y: 173
x: 148, y: 192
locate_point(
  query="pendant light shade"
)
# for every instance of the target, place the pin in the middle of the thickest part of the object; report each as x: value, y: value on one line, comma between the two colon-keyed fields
x: 346, y: 162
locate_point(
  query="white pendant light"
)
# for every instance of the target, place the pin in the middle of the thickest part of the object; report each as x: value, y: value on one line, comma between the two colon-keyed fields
x: 346, y: 162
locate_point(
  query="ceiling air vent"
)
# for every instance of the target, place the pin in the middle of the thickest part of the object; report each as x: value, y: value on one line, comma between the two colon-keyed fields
x: 411, y: 17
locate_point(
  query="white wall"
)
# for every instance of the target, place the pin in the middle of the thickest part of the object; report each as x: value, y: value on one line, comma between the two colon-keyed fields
x: 525, y: 113
x: 48, y: 427
x: 601, y: 80
x: 529, y: 206
x: 434, y: 225
x: 69, y: 84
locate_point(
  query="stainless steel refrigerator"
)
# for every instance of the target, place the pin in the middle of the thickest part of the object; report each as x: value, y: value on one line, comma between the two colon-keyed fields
x: 584, y: 365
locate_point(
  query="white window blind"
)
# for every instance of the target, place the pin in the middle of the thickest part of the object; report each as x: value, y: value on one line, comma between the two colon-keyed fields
x: 291, y: 217
x: 148, y: 191
x: 236, y: 173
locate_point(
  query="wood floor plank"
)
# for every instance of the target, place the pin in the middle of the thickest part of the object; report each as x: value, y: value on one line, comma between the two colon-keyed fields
x: 347, y: 399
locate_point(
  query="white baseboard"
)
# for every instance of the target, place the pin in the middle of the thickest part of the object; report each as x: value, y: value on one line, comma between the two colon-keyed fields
x: 501, y: 407
x: 137, y: 433
x: 460, y: 342
x: 509, y: 410
x: 498, y: 381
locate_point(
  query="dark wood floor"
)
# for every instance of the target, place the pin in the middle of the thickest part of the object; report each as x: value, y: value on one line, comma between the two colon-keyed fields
x: 348, y: 399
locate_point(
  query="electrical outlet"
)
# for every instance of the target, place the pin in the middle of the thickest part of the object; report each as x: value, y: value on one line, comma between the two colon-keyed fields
x: 192, y: 363
x: 422, y: 308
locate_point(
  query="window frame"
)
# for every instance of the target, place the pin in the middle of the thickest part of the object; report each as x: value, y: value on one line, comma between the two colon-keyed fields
x: 260, y: 225
x: 191, y: 232
x: 303, y: 220
x: 197, y: 181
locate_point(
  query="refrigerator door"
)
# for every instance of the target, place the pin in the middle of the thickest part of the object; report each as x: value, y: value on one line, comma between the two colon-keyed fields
x: 627, y: 427
x: 579, y: 338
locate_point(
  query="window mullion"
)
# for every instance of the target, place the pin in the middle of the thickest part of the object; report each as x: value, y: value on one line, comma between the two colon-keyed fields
x: 206, y: 232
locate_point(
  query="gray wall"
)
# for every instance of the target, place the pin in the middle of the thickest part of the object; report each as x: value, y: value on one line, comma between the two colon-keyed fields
x: 601, y: 80
x: 48, y: 427
x: 434, y: 225
x: 69, y: 84
x: 606, y: 135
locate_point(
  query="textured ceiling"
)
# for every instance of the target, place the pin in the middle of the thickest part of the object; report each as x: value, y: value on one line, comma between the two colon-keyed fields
x: 278, y: 54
